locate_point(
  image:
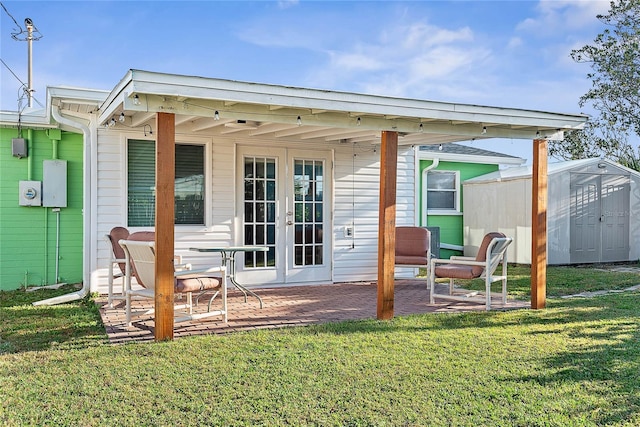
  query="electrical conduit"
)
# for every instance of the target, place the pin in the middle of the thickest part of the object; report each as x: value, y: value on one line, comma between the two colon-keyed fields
x: 86, y: 209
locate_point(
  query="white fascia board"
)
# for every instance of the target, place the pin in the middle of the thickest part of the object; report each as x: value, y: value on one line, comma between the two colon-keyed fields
x: 57, y: 95
x: 33, y: 121
x: 189, y: 87
x: 467, y: 158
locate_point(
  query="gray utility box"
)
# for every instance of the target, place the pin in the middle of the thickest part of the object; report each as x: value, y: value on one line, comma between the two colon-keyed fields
x: 30, y: 193
x: 54, y: 183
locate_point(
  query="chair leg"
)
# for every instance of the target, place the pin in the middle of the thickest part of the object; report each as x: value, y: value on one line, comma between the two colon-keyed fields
x: 110, y: 288
x: 128, y: 308
x: 488, y: 291
x: 432, y: 286
x: 224, y: 299
x: 504, y: 290
x: 450, y: 286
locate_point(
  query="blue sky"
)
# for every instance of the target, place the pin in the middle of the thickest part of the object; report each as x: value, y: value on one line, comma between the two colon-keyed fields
x: 498, y: 53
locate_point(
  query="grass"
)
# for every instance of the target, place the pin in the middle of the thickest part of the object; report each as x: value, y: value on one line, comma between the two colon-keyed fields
x: 561, y: 281
x: 576, y: 363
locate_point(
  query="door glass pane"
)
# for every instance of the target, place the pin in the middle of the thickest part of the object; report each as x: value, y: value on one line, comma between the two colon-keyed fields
x: 259, y: 213
x: 308, y: 210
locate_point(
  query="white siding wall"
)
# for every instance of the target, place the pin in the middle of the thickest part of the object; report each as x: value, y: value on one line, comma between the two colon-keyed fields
x: 356, y: 195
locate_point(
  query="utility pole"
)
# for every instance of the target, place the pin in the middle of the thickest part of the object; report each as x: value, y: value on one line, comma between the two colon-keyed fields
x: 29, y: 24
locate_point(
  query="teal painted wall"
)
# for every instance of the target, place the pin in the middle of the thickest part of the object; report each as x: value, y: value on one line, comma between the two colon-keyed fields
x: 28, y: 233
x: 451, y: 226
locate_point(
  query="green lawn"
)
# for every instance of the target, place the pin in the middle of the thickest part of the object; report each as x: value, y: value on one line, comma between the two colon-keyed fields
x: 576, y: 363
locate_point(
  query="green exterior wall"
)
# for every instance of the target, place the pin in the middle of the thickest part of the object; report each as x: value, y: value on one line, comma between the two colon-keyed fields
x: 28, y: 233
x: 451, y: 226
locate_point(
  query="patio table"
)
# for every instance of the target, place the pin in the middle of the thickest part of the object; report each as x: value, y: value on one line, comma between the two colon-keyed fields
x: 228, y: 254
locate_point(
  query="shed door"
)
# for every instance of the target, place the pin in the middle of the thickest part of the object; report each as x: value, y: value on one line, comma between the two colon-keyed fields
x: 615, y: 217
x: 599, y: 218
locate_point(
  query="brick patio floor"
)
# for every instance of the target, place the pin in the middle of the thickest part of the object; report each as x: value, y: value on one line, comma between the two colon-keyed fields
x: 292, y: 306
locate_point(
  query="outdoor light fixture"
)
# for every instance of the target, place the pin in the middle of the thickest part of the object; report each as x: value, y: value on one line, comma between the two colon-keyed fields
x: 421, y: 128
x: 122, y: 118
x: 136, y: 100
x: 299, y: 121
x: 538, y: 134
x: 484, y: 130
x: 358, y: 122
x: 112, y: 122
x: 216, y: 116
x: 440, y: 147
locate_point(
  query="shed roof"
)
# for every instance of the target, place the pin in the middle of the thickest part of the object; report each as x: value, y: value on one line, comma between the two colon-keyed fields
x: 524, y: 172
x: 461, y: 153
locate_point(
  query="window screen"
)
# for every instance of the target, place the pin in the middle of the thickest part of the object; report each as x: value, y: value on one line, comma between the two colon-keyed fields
x: 189, y: 184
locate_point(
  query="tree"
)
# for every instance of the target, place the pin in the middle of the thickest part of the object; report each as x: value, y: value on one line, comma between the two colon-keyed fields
x: 614, y: 57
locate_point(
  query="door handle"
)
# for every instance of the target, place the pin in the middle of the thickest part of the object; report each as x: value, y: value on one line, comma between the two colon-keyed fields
x: 289, y: 222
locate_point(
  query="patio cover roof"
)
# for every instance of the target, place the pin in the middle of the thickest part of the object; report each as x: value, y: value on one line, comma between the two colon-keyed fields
x: 215, y: 106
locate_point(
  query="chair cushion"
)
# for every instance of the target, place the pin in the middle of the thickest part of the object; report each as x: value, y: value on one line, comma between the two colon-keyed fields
x: 412, y: 245
x: 115, y: 235
x: 196, y: 284
x: 411, y: 260
x: 143, y: 236
x: 458, y: 271
x: 482, y: 251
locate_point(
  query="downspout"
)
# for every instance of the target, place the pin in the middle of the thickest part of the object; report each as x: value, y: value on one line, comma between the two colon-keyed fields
x: 434, y: 164
x: 86, y: 210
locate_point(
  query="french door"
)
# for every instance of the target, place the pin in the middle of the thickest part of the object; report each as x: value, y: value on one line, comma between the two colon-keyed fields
x: 284, y: 203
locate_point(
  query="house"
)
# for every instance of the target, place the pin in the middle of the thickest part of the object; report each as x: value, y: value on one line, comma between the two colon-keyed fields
x: 41, y: 234
x: 277, y: 162
x: 593, y: 211
x: 441, y: 170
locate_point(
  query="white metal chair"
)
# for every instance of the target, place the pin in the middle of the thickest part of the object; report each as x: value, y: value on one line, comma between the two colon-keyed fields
x: 492, y: 253
x: 140, y: 264
x: 118, y: 261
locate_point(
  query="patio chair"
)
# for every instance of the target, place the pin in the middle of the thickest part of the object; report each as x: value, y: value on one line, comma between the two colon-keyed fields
x: 492, y: 252
x: 413, y: 248
x: 117, y: 258
x: 141, y: 265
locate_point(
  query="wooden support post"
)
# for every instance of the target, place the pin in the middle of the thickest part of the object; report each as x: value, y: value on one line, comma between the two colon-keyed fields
x: 165, y: 207
x: 387, y: 224
x: 539, y: 225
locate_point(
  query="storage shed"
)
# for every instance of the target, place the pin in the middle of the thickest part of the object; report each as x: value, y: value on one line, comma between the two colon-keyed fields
x: 593, y: 211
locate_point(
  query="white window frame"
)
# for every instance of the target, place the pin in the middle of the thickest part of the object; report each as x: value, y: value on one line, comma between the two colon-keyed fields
x: 425, y: 191
x: 206, y: 143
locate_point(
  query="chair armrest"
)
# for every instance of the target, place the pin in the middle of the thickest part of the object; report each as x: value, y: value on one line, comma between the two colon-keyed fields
x: 201, y: 272
x: 462, y: 258
x: 435, y: 261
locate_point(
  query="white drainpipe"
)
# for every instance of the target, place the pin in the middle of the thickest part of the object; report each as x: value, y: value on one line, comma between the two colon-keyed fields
x: 86, y: 212
x: 434, y: 164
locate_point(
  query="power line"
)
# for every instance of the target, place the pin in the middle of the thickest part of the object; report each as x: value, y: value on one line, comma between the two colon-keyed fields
x: 19, y: 30
x: 14, y: 74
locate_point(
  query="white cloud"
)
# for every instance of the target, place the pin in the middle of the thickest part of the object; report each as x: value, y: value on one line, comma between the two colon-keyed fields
x: 410, y: 60
x: 514, y: 43
x: 564, y: 15
x: 285, y: 4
